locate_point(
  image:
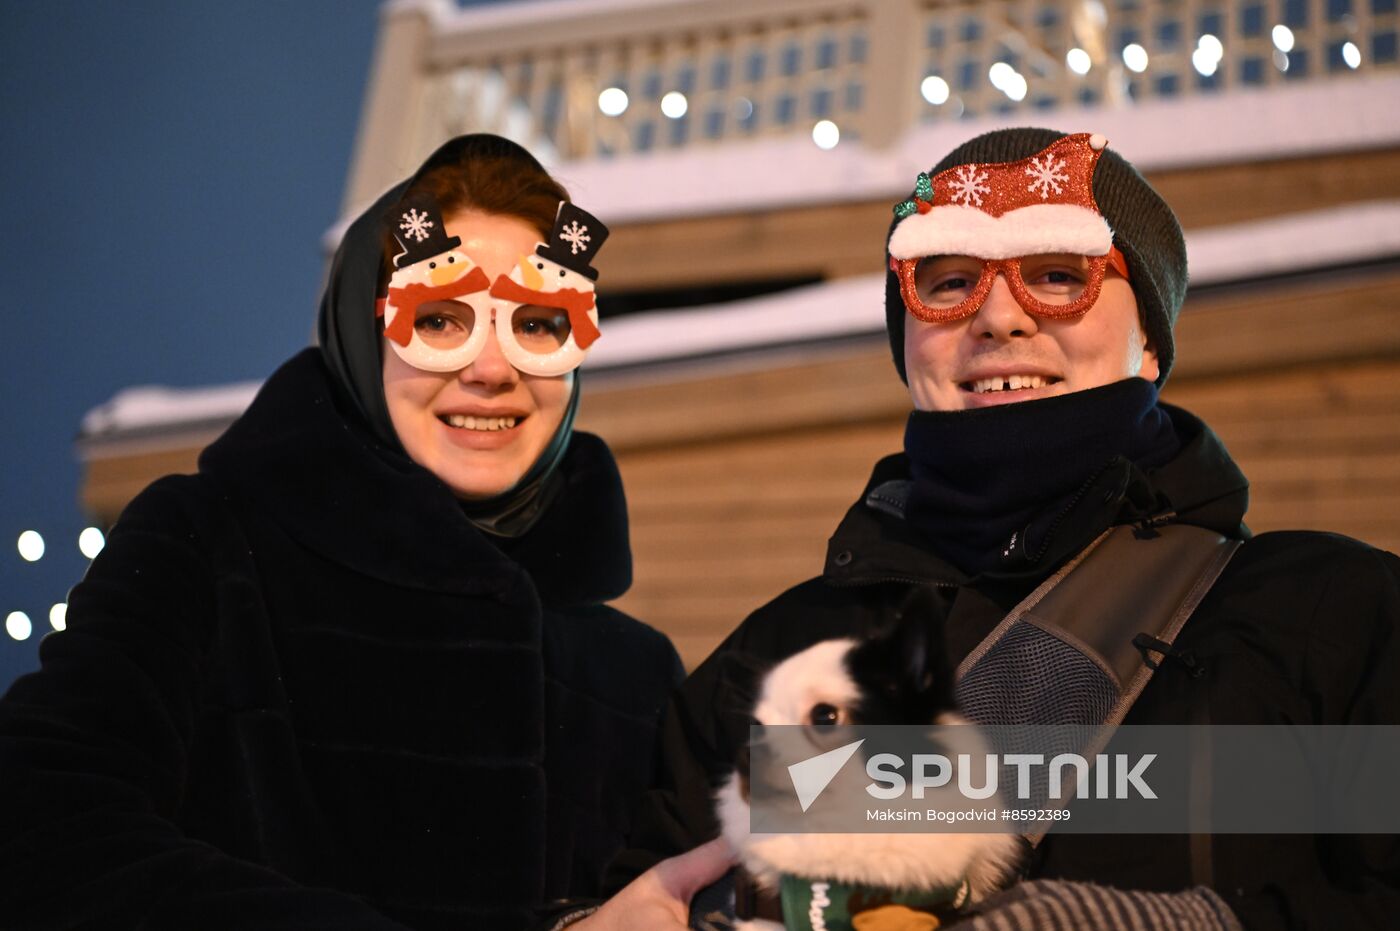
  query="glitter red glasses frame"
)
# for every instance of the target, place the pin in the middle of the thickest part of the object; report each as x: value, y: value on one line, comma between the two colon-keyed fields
x: 1010, y: 269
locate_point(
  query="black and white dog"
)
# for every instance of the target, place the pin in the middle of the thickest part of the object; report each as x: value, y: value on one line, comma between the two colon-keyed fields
x: 899, y: 676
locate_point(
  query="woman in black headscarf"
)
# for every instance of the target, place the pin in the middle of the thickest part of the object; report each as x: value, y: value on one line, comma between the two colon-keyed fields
x: 358, y: 672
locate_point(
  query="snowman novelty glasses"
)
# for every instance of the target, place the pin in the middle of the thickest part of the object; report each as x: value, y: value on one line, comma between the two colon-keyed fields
x: 439, y: 310
x: 449, y: 331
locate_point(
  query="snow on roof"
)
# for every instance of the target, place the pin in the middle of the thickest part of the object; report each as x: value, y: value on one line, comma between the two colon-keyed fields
x: 1342, y: 114
x: 449, y: 16
x: 147, y: 408
x: 1233, y: 127
x: 1300, y: 242
x: 846, y: 307
x: 843, y: 307
x: 1308, y: 241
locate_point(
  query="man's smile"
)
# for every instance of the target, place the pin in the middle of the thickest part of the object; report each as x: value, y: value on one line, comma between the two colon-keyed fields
x: 1007, y: 383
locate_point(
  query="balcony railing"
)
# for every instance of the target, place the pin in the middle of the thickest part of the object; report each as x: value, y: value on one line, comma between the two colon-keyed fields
x: 576, y: 79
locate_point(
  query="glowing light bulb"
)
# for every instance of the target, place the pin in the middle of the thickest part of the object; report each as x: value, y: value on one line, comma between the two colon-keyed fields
x: 613, y: 101
x: 674, y: 105
x: 58, y: 616
x: 90, y: 542
x: 18, y: 625
x: 934, y: 89
x: 826, y: 134
x: 1351, y: 55
x: 999, y: 74
x: 31, y: 546
x: 1078, y: 61
x: 1283, y: 38
x: 1135, y: 57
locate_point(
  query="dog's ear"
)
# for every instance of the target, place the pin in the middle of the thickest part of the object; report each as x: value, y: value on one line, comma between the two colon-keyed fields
x: 918, y: 639
x: 901, y: 667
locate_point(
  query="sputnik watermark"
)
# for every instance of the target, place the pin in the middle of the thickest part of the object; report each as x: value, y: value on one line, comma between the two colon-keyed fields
x: 1126, y: 775
x: 811, y: 776
x: 1157, y: 779
x: 1115, y: 776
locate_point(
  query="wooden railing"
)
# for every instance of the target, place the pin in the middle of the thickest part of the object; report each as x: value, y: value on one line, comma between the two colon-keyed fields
x: 537, y: 71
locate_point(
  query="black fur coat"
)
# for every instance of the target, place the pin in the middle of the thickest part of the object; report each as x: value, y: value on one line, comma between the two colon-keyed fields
x: 300, y: 690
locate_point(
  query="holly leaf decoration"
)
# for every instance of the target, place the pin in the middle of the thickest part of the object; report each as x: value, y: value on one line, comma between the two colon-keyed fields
x: 905, y: 208
x: 923, y: 187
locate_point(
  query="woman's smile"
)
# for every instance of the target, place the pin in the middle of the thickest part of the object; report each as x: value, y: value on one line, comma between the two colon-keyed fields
x: 482, y: 427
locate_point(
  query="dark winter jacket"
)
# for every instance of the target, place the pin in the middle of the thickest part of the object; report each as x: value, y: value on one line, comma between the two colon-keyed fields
x: 1300, y: 628
x: 300, y: 690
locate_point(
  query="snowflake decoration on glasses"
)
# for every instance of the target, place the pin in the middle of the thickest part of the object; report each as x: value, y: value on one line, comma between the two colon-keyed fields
x: 416, y: 224
x: 969, y: 186
x: 1049, y: 177
x: 576, y: 236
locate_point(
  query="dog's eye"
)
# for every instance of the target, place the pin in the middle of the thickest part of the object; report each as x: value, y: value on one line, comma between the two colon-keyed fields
x: 824, y: 715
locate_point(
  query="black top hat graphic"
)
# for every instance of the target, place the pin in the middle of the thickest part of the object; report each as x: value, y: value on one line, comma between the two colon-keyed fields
x: 577, y: 235
x: 417, y: 224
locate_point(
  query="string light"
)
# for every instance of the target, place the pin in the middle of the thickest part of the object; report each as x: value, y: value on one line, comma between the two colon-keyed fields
x: 999, y: 74
x: 18, y: 625
x: 674, y: 105
x: 1007, y: 80
x: 90, y: 542
x: 934, y: 89
x: 1135, y: 57
x: 31, y: 546
x: 1206, y: 57
x: 613, y: 101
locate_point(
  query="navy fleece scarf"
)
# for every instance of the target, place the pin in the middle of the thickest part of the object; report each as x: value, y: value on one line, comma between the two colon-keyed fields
x: 991, y: 481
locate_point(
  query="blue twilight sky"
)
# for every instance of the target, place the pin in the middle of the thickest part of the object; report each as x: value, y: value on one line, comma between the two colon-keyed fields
x: 167, y: 169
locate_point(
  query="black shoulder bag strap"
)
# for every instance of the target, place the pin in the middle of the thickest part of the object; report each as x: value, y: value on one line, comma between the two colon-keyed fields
x: 1080, y: 648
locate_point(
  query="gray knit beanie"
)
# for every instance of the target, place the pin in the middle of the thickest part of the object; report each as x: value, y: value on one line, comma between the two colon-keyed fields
x: 1144, y: 229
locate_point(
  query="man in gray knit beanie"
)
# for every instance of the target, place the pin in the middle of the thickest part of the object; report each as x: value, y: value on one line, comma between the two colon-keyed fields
x: 1033, y: 281
x: 1144, y: 230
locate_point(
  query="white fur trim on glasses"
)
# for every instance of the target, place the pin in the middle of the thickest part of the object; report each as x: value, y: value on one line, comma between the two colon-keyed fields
x: 955, y: 229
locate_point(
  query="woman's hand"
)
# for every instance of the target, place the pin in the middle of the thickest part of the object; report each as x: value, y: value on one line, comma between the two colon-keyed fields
x: 659, y: 899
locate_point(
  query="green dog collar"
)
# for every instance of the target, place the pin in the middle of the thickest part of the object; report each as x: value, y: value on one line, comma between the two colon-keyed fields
x: 818, y: 905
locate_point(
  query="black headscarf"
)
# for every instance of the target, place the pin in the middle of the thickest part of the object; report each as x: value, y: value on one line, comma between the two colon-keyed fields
x: 350, y: 342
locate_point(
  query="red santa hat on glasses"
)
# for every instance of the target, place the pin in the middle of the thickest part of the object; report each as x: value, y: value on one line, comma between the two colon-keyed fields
x: 1040, y: 204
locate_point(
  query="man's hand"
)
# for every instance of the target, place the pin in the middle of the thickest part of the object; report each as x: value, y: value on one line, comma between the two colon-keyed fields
x: 659, y: 899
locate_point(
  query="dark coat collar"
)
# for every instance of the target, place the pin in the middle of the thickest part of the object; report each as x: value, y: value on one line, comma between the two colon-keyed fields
x: 322, y: 476
x: 1201, y: 486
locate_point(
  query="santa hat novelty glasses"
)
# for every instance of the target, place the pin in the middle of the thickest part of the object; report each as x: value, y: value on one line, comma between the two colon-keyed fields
x: 440, y: 306
x: 1033, y: 221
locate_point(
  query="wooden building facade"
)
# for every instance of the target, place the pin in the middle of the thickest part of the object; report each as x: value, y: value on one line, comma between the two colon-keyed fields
x: 739, y: 464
